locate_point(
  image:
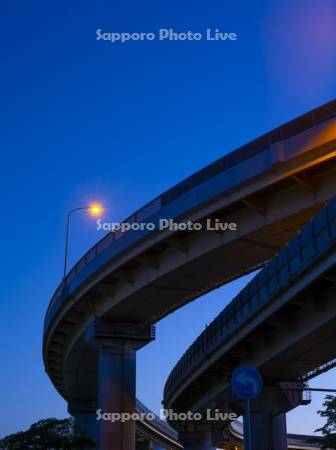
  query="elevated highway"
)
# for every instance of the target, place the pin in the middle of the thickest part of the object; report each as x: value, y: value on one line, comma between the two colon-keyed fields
x: 235, y: 439
x: 153, y: 433
x: 283, y: 322
x: 270, y: 188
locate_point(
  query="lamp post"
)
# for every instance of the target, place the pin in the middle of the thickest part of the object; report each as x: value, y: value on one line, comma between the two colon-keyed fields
x: 95, y: 210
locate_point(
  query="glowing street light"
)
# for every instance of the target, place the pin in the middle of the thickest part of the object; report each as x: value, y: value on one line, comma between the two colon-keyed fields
x: 95, y: 210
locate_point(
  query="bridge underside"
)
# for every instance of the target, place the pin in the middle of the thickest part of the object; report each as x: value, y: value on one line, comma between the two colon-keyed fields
x: 201, y: 262
x: 270, y: 190
x: 290, y: 342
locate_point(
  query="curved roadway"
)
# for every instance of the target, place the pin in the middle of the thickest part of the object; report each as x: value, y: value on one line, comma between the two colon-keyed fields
x: 295, y: 441
x: 270, y: 188
x: 282, y: 322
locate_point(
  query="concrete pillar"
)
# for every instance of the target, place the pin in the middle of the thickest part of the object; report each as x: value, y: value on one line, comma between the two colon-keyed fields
x: 144, y: 445
x: 197, y: 440
x: 116, y: 394
x: 279, y: 432
x: 84, y: 413
x: 147, y: 445
x: 268, y: 431
x: 117, y: 345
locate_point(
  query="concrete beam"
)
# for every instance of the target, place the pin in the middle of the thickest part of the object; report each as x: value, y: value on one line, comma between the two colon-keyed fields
x: 64, y: 328
x: 148, y: 260
x: 124, y: 275
x: 329, y: 277
x: 103, y: 290
x: 260, y: 244
x: 60, y: 338
x: 56, y: 348
x: 255, y: 202
x: 177, y: 242
x: 55, y: 357
x: 306, y: 181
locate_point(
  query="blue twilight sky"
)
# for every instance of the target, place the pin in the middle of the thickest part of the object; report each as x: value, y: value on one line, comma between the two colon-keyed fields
x: 83, y: 119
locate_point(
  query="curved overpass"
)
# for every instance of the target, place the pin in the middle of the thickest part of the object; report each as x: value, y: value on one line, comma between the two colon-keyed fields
x: 235, y: 437
x: 270, y: 188
x: 155, y: 431
x: 283, y: 322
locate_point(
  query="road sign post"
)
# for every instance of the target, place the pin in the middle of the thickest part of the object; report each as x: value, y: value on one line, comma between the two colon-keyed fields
x: 246, y: 384
x: 247, y: 425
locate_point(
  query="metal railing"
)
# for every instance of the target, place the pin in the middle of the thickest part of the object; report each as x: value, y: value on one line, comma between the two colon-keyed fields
x: 315, y: 239
x: 318, y: 370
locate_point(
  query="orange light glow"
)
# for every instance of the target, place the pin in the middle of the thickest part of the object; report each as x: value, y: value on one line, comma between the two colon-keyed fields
x: 96, y: 210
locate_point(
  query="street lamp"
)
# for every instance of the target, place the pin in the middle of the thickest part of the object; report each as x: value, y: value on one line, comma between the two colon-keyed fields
x: 94, y: 210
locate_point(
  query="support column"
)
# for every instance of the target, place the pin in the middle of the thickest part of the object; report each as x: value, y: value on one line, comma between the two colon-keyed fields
x: 268, y: 431
x: 147, y: 445
x: 197, y: 440
x: 144, y: 445
x: 117, y: 345
x: 84, y: 413
x: 279, y: 426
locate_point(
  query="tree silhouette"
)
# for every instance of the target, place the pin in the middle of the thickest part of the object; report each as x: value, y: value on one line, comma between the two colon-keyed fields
x: 49, y: 434
x: 328, y: 438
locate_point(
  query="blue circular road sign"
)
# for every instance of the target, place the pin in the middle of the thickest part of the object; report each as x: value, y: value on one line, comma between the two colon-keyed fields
x: 246, y: 382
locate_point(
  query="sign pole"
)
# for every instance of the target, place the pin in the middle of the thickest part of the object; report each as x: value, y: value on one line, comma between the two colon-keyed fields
x: 247, y: 384
x: 247, y: 425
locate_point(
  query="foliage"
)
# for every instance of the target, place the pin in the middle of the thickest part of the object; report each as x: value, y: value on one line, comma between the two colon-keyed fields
x: 48, y: 434
x: 328, y: 438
